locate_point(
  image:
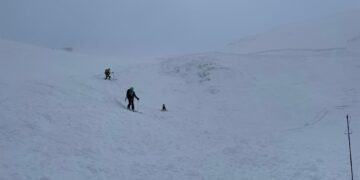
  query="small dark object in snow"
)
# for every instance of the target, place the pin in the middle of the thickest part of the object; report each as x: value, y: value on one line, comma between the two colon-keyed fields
x: 163, y: 108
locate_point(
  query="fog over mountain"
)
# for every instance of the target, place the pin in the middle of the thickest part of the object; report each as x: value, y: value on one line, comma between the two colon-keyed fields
x: 264, y: 93
x: 333, y: 33
x: 151, y: 27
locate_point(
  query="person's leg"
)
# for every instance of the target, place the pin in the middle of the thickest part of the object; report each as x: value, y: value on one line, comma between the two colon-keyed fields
x: 129, y: 103
x: 132, y: 105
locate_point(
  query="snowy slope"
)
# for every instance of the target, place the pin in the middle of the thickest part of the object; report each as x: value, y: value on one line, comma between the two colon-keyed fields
x: 282, y: 116
x: 231, y: 116
x: 319, y: 34
x: 353, y: 44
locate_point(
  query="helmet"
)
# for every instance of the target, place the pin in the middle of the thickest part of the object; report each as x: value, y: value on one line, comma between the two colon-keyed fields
x: 132, y: 88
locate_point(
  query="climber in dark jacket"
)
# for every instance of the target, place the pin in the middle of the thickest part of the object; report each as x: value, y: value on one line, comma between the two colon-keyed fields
x: 130, y: 95
x: 107, y: 73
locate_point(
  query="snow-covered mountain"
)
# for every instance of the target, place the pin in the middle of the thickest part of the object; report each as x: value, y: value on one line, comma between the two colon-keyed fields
x: 320, y: 34
x: 230, y: 115
x: 353, y: 44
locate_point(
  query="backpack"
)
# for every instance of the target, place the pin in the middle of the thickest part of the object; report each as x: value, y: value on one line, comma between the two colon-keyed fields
x: 130, y: 93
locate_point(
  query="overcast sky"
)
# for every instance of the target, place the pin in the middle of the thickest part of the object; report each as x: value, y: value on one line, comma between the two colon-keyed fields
x: 140, y: 26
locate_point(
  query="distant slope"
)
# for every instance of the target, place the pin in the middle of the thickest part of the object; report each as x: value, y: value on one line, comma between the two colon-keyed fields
x: 354, y: 44
x: 326, y: 34
x: 230, y: 115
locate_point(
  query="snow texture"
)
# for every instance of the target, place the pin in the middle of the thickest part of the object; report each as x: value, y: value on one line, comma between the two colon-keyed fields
x: 230, y: 115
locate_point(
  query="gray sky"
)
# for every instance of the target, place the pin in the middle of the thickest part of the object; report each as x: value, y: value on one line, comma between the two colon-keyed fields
x: 143, y: 26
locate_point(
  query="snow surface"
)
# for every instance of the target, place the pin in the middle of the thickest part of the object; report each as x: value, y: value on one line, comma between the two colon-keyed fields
x: 231, y: 116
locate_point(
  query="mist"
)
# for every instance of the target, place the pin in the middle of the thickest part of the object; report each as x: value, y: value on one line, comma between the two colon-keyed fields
x: 144, y: 27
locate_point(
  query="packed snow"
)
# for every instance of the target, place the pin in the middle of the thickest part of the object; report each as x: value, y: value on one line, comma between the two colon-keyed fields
x: 231, y: 115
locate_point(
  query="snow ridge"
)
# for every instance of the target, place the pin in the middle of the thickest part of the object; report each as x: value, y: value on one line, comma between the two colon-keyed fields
x: 251, y: 114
